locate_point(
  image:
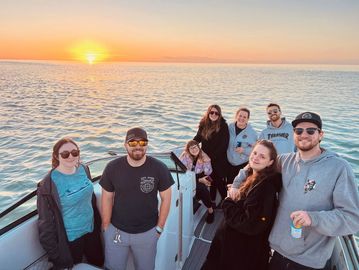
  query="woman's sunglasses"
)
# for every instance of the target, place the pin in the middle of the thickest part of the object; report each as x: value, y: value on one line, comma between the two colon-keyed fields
x: 135, y: 143
x: 66, y: 154
x: 213, y: 113
x: 310, y: 131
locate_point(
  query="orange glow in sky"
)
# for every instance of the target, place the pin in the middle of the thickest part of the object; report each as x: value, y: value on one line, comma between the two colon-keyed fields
x: 90, y: 52
x: 233, y: 31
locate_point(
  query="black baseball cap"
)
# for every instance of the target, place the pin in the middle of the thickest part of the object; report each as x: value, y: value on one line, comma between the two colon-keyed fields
x: 308, y: 117
x: 136, y: 134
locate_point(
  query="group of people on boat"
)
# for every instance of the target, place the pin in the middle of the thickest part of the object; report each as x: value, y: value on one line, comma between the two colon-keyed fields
x: 289, y: 200
x: 226, y: 148
x: 69, y: 223
x: 284, y: 197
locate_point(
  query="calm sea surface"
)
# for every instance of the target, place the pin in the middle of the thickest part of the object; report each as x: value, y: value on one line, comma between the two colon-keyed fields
x: 41, y: 102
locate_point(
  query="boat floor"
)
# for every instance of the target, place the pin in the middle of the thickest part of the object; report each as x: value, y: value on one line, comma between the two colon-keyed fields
x: 204, y: 234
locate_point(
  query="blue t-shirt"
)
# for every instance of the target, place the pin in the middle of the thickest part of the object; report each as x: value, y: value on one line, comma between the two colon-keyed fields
x: 75, y: 192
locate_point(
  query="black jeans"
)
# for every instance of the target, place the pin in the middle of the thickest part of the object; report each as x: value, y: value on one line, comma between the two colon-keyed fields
x: 89, y: 245
x: 217, y: 183
x: 202, y: 193
x: 279, y: 262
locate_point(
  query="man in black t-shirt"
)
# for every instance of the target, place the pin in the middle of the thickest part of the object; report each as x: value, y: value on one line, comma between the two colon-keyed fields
x: 130, y: 217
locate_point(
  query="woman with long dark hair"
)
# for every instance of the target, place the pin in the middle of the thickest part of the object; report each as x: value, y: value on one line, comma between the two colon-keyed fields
x: 241, y: 242
x: 69, y: 222
x: 196, y: 160
x: 214, y: 136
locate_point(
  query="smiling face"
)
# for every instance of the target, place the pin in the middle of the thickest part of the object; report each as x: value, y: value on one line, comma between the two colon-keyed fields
x: 136, y: 152
x: 273, y: 113
x: 242, y: 118
x: 68, y: 150
x: 194, y: 150
x: 260, y: 158
x: 213, y: 114
x: 306, y: 142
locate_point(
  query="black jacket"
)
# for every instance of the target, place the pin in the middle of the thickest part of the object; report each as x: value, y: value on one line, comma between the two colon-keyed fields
x: 241, y: 242
x: 216, y: 148
x: 52, y: 234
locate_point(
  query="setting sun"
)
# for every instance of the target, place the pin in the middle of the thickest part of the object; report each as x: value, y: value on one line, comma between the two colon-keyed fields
x: 91, y: 57
x: 89, y: 52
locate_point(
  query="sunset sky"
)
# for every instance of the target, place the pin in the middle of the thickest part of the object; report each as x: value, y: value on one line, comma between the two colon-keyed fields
x: 243, y: 31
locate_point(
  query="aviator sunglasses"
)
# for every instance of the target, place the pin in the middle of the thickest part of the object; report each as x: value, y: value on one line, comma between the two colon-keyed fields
x: 272, y: 111
x: 135, y: 143
x: 310, y: 131
x: 66, y: 154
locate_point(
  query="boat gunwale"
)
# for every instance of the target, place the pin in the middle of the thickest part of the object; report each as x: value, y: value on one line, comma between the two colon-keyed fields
x: 180, y: 168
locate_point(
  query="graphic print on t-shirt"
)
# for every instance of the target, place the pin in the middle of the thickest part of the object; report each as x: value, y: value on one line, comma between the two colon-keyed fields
x: 147, y: 184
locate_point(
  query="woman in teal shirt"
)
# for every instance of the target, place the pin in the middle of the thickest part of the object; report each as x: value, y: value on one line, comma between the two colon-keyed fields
x: 69, y: 222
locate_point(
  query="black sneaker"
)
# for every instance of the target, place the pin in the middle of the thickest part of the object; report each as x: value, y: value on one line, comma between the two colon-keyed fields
x: 210, y: 217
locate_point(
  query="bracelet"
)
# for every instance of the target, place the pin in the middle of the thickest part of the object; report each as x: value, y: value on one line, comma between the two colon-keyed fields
x: 159, y: 230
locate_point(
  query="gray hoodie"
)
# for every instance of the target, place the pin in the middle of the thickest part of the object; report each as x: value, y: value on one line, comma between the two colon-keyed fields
x: 247, y: 138
x: 325, y: 187
x: 282, y: 137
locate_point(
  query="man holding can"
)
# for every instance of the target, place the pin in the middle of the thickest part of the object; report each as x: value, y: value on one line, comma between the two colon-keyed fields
x: 319, y: 200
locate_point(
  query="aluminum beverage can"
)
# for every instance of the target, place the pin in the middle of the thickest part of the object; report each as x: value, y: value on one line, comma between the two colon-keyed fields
x: 296, y: 231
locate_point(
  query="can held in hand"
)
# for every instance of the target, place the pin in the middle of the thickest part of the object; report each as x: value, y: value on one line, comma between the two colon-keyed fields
x: 296, y: 231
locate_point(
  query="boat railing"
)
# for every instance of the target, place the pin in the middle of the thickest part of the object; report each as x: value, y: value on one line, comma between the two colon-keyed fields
x: 25, y: 208
x: 351, y: 242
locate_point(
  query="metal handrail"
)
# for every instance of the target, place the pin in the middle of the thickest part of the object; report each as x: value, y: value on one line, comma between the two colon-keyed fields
x: 180, y: 231
x: 353, y: 251
x: 32, y: 194
x: 18, y: 203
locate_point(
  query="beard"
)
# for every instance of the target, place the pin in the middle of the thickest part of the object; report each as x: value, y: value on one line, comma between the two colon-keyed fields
x: 309, y: 145
x: 274, y: 117
x: 137, y: 153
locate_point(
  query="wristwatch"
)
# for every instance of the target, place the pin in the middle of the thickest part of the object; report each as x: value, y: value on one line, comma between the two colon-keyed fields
x: 159, y: 230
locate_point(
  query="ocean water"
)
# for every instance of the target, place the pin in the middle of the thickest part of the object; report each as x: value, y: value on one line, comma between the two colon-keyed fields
x: 41, y: 102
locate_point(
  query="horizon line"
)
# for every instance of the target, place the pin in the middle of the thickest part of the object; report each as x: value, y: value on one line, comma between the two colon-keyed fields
x: 212, y: 61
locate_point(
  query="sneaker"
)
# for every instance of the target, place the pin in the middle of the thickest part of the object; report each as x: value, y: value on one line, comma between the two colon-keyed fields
x: 210, y: 217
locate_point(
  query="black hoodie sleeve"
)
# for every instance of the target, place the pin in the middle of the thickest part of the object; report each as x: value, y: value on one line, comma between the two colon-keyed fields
x: 52, y: 238
x: 46, y: 224
x: 224, y: 137
x: 198, y: 136
x: 254, y: 214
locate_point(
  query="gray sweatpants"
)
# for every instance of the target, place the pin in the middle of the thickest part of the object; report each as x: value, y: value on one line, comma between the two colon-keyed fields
x: 142, y: 245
